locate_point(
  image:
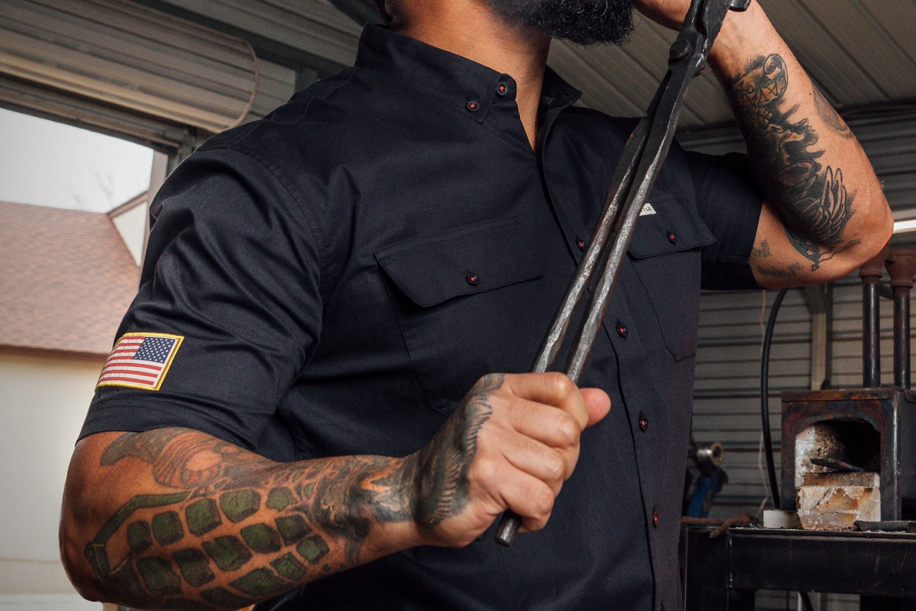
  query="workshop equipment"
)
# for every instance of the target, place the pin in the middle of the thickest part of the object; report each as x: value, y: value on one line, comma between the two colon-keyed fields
x: 707, y: 458
x: 633, y: 179
x: 859, y: 436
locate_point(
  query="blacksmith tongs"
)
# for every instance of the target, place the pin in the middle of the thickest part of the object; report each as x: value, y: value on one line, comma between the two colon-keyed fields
x: 636, y: 171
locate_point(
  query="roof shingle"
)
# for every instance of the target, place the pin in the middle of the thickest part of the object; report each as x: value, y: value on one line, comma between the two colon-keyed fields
x: 66, y: 279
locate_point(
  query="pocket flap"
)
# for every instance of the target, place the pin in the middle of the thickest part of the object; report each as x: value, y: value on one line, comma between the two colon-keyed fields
x: 665, y: 226
x: 475, y: 259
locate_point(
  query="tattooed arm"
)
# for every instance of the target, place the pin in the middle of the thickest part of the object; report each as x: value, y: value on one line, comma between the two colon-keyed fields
x: 825, y: 213
x: 177, y: 519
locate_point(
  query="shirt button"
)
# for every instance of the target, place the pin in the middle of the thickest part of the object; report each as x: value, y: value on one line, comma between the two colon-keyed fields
x: 502, y: 89
x: 671, y: 237
x: 643, y: 423
x: 472, y: 279
x: 622, y: 329
x: 655, y: 518
x: 580, y: 243
x: 473, y: 105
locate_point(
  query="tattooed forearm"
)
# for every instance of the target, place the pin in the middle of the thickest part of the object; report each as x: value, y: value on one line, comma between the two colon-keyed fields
x: 228, y: 528
x: 812, y: 199
x: 762, y: 251
x: 829, y: 115
x: 776, y: 272
x: 238, y: 528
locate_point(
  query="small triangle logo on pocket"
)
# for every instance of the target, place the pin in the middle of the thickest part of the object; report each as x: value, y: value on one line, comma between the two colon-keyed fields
x: 647, y: 210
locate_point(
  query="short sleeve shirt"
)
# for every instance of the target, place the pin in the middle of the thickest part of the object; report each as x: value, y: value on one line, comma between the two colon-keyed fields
x: 341, y: 273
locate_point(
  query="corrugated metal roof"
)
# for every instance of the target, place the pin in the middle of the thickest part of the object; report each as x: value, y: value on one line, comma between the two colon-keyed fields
x: 860, y: 53
x: 314, y: 27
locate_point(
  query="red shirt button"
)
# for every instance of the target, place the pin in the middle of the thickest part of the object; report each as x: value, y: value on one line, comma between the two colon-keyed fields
x: 473, y: 106
x: 472, y: 279
x: 622, y: 330
x: 643, y: 423
x: 502, y: 89
x: 580, y: 243
x: 655, y: 518
x: 672, y: 238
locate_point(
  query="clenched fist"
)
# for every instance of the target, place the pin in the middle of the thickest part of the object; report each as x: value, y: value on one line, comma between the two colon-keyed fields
x: 511, y: 444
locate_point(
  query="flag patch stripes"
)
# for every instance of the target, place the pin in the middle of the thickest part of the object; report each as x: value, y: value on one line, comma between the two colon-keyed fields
x: 140, y: 360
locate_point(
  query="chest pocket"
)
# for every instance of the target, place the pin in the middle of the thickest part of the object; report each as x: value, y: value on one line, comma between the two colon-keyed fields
x: 665, y: 251
x: 457, y: 298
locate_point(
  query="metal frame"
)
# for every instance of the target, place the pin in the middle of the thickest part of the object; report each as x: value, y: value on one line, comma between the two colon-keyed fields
x: 723, y: 574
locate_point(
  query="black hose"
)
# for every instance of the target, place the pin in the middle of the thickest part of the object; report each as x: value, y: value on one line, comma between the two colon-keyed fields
x: 806, y: 601
x: 765, y: 396
x: 765, y: 413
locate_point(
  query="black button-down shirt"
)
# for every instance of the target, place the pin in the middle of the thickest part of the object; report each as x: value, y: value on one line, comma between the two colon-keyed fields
x: 344, y: 270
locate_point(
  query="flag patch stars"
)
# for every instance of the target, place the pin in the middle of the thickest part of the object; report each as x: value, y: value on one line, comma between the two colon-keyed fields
x: 140, y: 360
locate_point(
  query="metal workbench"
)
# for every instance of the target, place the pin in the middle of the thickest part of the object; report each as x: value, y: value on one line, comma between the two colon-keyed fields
x: 724, y: 573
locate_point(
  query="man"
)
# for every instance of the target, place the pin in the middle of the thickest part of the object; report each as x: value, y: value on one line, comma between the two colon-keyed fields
x: 282, y: 419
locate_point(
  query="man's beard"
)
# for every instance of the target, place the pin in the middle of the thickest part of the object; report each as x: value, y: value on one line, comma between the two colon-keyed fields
x: 581, y: 22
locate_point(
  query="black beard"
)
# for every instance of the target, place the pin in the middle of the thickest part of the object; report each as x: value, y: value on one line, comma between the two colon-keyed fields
x: 581, y: 22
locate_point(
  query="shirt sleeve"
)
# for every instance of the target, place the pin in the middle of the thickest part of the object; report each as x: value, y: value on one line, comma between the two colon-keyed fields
x: 232, y: 269
x: 729, y: 202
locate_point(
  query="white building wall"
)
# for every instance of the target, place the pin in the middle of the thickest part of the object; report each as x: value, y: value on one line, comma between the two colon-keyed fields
x: 132, y: 227
x: 43, y: 402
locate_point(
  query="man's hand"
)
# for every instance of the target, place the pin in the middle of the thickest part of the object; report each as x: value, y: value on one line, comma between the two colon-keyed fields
x: 511, y: 444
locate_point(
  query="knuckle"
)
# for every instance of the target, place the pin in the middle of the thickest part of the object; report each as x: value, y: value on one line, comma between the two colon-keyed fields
x: 556, y: 466
x: 562, y: 384
x: 482, y: 470
x: 544, y: 500
x: 568, y: 431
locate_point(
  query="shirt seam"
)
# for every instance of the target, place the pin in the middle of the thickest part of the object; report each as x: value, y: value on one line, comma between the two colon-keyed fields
x: 325, y: 95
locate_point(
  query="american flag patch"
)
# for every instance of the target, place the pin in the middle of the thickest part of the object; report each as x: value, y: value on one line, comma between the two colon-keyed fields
x: 140, y: 360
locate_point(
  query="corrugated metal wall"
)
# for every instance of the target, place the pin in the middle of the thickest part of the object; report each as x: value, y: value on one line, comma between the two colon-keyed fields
x: 131, y: 71
x: 131, y: 57
x: 276, y: 86
x: 727, y: 392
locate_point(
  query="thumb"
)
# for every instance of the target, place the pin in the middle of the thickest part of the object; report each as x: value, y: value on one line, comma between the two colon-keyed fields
x: 598, y: 404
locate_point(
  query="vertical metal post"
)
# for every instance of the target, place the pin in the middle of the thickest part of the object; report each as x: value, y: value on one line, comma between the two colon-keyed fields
x: 901, y: 337
x: 871, y: 274
x: 902, y: 267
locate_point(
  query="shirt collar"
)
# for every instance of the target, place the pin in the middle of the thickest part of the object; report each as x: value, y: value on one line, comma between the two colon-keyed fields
x: 468, y: 86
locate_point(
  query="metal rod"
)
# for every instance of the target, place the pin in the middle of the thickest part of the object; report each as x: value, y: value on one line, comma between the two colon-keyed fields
x: 620, y: 185
x: 901, y: 337
x: 871, y: 274
x: 901, y: 266
x: 871, y: 334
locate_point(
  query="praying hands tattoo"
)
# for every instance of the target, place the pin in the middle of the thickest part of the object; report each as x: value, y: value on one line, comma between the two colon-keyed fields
x: 812, y: 199
x: 234, y: 528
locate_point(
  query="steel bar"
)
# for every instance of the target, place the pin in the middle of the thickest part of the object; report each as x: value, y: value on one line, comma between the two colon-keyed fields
x: 901, y: 266
x: 901, y: 337
x: 871, y: 274
x: 724, y: 573
x: 633, y: 180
